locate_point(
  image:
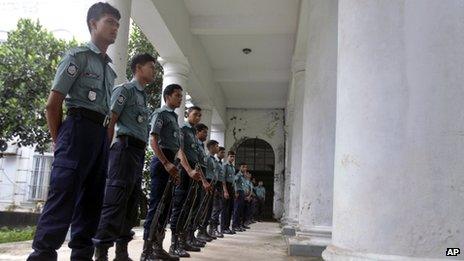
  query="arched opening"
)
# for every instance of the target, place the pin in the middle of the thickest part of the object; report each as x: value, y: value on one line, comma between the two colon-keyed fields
x: 259, y: 156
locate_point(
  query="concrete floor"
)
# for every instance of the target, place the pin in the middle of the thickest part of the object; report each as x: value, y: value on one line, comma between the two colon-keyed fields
x: 262, y: 242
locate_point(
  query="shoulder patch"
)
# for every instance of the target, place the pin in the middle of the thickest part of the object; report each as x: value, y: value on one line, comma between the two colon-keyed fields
x: 121, y: 99
x: 72, y: 69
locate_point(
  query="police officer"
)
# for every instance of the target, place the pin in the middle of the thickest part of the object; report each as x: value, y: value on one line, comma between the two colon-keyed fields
x: 165, y: 142
x: 239, y: 186
x: 247, y: 210
x: 229, y: 173
x: 189, y: 159
x: 221, y: 189
x: 84, y: 80
x: 260, y: 191
x: 126, y: 158
x: 199, y: 209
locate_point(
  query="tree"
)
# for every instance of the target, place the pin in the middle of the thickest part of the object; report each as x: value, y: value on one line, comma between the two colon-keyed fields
x: 28, y: 60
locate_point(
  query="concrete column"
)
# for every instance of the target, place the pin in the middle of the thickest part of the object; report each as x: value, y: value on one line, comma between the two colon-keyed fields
x: 298, y: 69
x: 318, y: 139
x: 118, y: 51
x: 289, y: 110
x: 399, y: 154
x: 176, y: 71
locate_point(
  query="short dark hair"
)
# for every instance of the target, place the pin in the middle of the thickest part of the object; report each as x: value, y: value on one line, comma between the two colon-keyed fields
x: 243, y: 164
x: 211, y: 143
x: 231, y: 153
x: 142, y: 59
x: 193, y: 108
x: 200, y: 127
x: 169, y: 90
x: 97, y: 10
x: 221, y: 148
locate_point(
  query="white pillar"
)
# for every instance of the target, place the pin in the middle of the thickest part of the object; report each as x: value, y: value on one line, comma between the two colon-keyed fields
x: 399, y: 141
x: 298, y: 69
x: 118, y: 51
x: 289, y: 110
x: 318, y: 139
x: 175, y: 71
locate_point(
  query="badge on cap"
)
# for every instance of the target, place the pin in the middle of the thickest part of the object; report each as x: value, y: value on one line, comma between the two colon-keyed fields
x: 92, y: 96
x: 72, y: 70
x: 193, y: 145
x: 121, y: 99
x: 140, y: 119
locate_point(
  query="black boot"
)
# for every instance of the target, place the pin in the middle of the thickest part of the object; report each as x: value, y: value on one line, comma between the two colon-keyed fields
x: 121, y: 252
x: 147, y: 252
x: 218, y: 233
x: 160, y: 253
x: 185, y: 244
x: 194, y: 241
x: 176, y: 248
x: 211, y: 232
x: 202, y: 235
x: 101, y: 253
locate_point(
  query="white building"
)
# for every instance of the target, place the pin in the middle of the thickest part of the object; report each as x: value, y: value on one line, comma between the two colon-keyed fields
x: 354, y: 105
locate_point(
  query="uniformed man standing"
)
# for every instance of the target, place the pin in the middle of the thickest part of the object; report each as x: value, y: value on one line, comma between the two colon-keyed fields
x: 248, y: 192
x: 220, y: 191
x: 84, y: 80
x: 126, y: 158
x: 229, y: 173
x: 165, y: 142
x: 261, y: 195
x: 239, y: 186
x: 189, y: 160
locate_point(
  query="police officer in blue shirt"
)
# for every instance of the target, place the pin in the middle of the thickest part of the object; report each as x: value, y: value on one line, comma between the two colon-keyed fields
x: 239, y: 187
x: 84, y: 80
x: 228, y: 209
x: 166, y: 143
x: 126, y: 158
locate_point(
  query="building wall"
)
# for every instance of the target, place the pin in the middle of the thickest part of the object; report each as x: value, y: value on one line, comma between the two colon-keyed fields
x: 15, y: 181
x: 267, y: 125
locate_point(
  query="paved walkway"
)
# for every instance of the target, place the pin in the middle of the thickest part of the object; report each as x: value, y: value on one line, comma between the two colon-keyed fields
x: 262, y: 242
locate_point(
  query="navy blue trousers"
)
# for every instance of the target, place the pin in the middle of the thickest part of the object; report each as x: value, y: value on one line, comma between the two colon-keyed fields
x: 159, y: 179
x: 228, y: 208
x: 208, y: 208
x: 218, y: 205
x: 75, y: 195
x: 238, y: 209
x: 179, y: 197
x: 122, y: 193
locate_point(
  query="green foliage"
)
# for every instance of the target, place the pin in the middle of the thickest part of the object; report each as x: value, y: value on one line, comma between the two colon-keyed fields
x: 139, y: 43
x: 16, y: 234
x: 28, y: 61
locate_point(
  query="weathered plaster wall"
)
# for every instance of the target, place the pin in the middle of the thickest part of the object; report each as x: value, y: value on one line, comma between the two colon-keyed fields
x: 267, y: 125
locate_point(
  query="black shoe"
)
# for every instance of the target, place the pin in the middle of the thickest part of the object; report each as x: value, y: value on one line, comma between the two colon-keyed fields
x: 101, y: 253
x: 147, y: 252
x: 203, y: 236
x: 183, y: 243
x: 176, y: 247
x: 121, y: 252
x: 246, y: 227
x: 192, y: 241
x: 227, y: 231
x: 219, y: 234
x: 160, y: 253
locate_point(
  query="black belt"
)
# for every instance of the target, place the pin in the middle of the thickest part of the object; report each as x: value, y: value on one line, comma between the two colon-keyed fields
x: 133, y: 141
x: 94, y: 116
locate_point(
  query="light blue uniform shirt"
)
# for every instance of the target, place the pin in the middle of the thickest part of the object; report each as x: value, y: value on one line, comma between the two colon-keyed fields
x: 239, y: 182
x: 202, y: 157
x: 229, y: 172
x: 164, y: 124
x: 260, y: 192
x: 85, y: 78
x: 190, y: 142
x: 129, y: 101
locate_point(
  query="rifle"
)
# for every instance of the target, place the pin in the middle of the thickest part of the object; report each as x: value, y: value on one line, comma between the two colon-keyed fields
x: 184, y: 213
x: 157, y: 231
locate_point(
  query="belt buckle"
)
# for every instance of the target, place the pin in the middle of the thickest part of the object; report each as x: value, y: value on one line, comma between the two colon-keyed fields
x: 106, y: 121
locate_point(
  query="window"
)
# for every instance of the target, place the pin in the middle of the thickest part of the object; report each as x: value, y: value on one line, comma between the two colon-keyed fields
x: 258, y: 154
x: 42, y: 166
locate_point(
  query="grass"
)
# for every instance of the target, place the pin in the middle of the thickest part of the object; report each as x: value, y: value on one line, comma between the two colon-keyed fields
x: 16, y: 234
